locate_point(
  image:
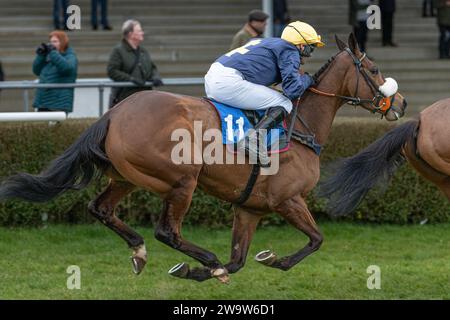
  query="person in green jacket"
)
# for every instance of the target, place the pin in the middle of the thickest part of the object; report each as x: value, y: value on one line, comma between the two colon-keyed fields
x: 129, y: 61
x: 55, y: 62
x: 254, y: 28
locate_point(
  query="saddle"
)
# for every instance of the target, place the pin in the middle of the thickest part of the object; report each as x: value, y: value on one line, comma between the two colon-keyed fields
x: 236, y: 122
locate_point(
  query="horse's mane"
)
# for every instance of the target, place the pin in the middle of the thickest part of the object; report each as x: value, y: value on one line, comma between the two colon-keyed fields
x: 324, y: 67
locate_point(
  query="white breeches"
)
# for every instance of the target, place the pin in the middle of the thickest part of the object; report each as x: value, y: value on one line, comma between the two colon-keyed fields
x: 227, y: 85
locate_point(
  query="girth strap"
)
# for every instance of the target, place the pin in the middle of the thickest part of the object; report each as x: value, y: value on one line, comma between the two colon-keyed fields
x: 308, y: 140
x: 245, y: 194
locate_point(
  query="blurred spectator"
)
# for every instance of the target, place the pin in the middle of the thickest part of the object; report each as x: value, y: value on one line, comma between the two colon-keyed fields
x: 281, y: 17
x: 129, y: 61
x: 104, y: 15
x: 60, y: 11
x: 443, y: 20
x: 358, y: 20
x: 254, y: 28
x: 55, y: 62
x: 428, y: 7
x: 2, y: 74
x: 387, y: 21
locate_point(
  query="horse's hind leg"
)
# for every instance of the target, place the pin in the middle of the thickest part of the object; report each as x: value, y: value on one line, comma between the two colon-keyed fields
x: 440, y: 179
x: 296, y: 212
x: 103, y: 209
x: 168, y: 231
x: 244, y: 226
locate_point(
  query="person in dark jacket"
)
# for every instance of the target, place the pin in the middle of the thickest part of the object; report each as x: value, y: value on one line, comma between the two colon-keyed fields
x: 387, y: 8
x: 280, y: 17
x: 2, y: 74
x: 428, y: 8
x: 358, y: 20
x: 129, y: 61
x: 104, y: 15
x: 60, y: 10
x: 443, y: 21
x: 55, y: 62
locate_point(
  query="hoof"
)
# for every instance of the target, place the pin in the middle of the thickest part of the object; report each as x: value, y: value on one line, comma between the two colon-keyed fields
x: 138, y: 264
x: 180, y: 270
x: 221, y: 274
x: 139, y: 258
x: 266, y: 257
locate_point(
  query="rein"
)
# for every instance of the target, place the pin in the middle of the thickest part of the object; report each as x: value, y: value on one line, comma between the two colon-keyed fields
x: 309, y: 139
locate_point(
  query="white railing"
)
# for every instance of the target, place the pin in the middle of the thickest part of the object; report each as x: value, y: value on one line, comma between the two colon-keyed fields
x: 32, y: 116
x: 100, y: 84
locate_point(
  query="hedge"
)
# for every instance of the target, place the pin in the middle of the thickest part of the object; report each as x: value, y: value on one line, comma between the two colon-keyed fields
x: 30, y: 146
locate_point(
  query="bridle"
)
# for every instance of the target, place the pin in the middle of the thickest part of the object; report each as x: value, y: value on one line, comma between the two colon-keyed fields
x: 379, y: 102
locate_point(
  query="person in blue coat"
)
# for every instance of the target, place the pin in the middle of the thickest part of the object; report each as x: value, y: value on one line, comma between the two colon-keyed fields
x: 241, y: 77
x: 55, y: 62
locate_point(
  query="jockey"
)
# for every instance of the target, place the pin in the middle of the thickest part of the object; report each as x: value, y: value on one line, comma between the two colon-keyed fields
x: 241, y: 77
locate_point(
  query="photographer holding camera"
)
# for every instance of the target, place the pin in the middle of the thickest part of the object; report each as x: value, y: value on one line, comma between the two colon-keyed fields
x: 55, y: 62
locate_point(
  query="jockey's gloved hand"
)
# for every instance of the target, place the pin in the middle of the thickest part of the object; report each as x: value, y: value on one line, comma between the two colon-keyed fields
x: 157, y: 82
x: 311, y: 79
x: 137, y: 81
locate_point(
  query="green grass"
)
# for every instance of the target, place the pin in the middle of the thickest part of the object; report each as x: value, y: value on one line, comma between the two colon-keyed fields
x: 414, y: 262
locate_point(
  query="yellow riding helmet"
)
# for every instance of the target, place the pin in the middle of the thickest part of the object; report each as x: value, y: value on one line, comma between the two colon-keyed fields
x: 301, y: 33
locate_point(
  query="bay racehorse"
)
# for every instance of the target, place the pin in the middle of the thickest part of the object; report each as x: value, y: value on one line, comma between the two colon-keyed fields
x: 132, y: 145
x: 424, y: 143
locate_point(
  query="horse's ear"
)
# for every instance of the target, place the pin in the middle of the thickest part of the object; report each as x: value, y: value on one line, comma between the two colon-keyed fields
x: 353, y: 43
x: 341, y: 44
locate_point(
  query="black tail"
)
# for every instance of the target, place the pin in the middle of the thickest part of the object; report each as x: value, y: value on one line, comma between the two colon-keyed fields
x: 74, y: 169
x: 356, y: 175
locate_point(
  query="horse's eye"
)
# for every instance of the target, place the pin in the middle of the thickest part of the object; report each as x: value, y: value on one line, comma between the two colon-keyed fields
x: 374, y: 71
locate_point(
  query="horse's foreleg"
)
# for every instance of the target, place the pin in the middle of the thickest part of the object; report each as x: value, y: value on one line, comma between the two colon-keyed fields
x: 296, y: 212
x: 168, y: 231
x: 103, y: 209
x: 244, y: 226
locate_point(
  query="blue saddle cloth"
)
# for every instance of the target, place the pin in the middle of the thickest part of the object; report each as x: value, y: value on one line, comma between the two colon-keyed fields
x: 235, y: 125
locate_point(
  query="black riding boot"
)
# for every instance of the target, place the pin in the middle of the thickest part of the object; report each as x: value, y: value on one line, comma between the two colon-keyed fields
x: 269, y: 121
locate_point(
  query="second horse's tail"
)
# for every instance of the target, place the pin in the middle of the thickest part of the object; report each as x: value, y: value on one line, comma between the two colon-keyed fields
x: 356, y: 175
